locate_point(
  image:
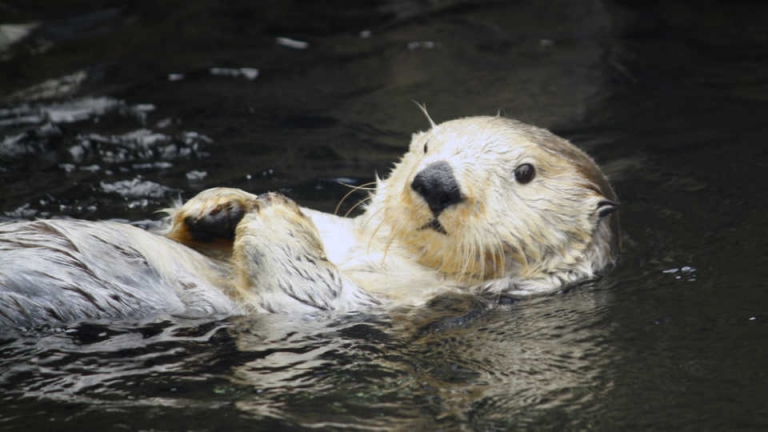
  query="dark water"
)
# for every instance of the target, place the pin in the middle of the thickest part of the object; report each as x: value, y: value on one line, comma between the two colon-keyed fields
x: 111, y: 111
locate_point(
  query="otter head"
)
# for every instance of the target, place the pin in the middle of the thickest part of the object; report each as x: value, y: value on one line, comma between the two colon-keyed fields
x: 484, y: 198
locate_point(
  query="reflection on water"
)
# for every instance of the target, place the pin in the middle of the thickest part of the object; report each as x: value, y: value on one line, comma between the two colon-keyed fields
x: 38, y: 138
x: 113, y: 113
x: 410, y: 370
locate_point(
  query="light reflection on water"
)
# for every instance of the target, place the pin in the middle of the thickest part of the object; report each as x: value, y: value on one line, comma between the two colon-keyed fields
x: 405, y: 370
x: 670, y: 103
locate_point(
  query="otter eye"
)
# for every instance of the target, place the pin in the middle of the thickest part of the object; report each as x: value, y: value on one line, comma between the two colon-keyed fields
x: 426, y: 147
x: 525, y: 173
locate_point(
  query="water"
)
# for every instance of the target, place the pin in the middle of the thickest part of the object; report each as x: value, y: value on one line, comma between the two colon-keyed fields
x: 113, y: 112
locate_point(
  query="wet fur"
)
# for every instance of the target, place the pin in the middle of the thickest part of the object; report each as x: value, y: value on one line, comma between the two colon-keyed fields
x: 227, y: 251
x: 504, y: 237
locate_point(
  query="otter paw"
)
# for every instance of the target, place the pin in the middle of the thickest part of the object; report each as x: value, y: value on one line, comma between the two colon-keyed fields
x: 276, y: 199
x: 218, y: 223
x: 280, y: 221
x: 211, y: 215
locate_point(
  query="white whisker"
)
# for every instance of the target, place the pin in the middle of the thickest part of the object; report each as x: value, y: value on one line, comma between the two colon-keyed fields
x: 354, y: 189
x: 358, y: 204
x: 423, y: 108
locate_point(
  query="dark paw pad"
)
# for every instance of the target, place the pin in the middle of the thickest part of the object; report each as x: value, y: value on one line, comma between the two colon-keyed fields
x: 219, y: 223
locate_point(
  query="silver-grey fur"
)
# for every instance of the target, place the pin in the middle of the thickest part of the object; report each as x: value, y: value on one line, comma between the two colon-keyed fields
x: 61, y: 271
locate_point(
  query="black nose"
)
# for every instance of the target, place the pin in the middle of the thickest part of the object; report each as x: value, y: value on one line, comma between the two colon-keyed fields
x: 437, y: 185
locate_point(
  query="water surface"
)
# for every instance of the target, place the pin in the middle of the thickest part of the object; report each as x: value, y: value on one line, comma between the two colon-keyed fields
x: 111, y: 112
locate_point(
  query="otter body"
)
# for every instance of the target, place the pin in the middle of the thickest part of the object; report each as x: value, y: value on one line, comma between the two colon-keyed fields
x: 484, y: 204
x: 59, y: 271
x: 63, y: 271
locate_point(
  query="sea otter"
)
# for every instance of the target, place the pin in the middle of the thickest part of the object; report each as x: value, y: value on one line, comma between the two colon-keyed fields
x: 480, y: 204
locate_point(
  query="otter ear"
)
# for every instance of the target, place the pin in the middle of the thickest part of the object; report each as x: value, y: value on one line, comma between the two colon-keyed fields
x: 606, y: 207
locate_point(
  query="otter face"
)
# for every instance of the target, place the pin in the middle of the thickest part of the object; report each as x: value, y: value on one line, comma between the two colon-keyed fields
x: 486, y: 197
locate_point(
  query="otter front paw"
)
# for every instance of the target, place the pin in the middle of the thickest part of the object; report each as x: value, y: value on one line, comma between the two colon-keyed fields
x: 211, y: 215
x: 280, y: 262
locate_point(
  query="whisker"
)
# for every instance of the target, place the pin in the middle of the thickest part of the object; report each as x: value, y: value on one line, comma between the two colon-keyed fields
x: 363, y: 186
x: 483, y: 264
x: 476, y: 264
x: 466, y: 250
x: 354, y: 189
x: 386, y: 248
x: 489, y: 259
x: 478, y: 253
x: 358, y: 204
x: 423, y: 108
x: 392, y: 234
x: 375, y: 231
x: 449, y: 263
x: 498, y: 259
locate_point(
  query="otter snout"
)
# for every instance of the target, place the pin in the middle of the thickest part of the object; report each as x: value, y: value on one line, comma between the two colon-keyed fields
x: 437, y: 185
